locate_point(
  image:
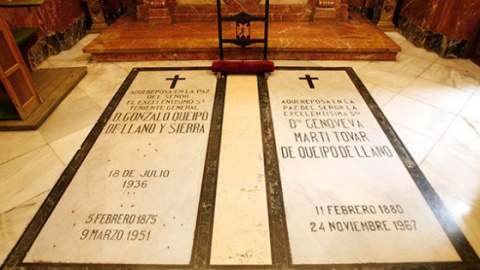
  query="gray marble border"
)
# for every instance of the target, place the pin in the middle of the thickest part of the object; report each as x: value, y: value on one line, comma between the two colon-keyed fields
x: 206, y: 209
x: 281, y: 256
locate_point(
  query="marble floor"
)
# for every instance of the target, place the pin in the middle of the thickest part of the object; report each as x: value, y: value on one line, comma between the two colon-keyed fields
x: 433, y: 104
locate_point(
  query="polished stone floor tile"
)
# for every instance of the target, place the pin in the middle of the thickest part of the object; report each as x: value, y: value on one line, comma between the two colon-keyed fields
x: 455, y: 176
x: 464, y: 136
x: 467, y: 65
x: 22, y: 180
x: 102, y: 82
x: 418, y: 145
x: 453, y: 77
x: 381, y: 95
x: 193, y: 63
x: 419, y: 53
x: 70, y: 117
x: 441, y: 96
x: 453, y: 63
x: 472, y: 109
x: 44, y: 64
x: 74, y: 95
x: 467, y: 216
x: 405, y: 63
x: 14, y: 222
x: 420, y: 117
x: 128, y: 66
x: 88, y: 38
x: 17, y: 143
x: 382, y: 76
x: 73, y: 57
x: 397, y: 37
x: 66, y: 147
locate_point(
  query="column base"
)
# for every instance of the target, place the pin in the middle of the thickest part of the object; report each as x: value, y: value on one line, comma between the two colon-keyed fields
x: 158, y: 16
x: 97, y: 28
x: 386, y: 26
x: 324, y: 15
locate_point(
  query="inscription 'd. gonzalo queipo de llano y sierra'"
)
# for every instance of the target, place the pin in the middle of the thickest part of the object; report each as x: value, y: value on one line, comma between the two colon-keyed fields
x: 128, y: 202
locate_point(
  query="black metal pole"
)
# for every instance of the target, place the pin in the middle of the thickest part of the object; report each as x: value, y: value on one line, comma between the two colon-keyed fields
x: 265, y: 49
x: 219, y: 18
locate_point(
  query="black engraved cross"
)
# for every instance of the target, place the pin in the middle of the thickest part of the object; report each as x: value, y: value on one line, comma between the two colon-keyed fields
x: 174, y: 81
x: 309, y: 80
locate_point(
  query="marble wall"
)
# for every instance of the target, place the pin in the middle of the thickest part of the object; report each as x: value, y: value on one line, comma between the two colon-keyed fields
x: 174, y: 11
x: 62, y: 24
x: 444, y: 26
x: 52, y: 17
x: 286, y: 2
x: 359, y: 3
x: 214, y: 2
x: 206, y: 10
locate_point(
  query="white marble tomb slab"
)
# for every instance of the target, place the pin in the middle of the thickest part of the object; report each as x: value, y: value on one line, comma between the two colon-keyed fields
x: 241, y: 233
x: 135, y: 198
x: 348, y: 199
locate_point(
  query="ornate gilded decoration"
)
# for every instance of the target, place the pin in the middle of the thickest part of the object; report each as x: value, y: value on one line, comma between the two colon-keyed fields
x: 326, y: 3
x: 156, y: 3
x: 330, y: 11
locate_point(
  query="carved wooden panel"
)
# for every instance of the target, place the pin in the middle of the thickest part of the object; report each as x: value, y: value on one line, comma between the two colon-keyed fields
x: 14, y: 75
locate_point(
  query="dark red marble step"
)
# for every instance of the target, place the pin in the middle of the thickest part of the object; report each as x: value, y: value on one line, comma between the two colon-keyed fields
x: 128, y: 39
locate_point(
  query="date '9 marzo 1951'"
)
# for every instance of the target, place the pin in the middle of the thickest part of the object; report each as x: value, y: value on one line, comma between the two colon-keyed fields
x: 115, y: 235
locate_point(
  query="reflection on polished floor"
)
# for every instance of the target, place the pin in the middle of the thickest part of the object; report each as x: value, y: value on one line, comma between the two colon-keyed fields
x: 433, y: 104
